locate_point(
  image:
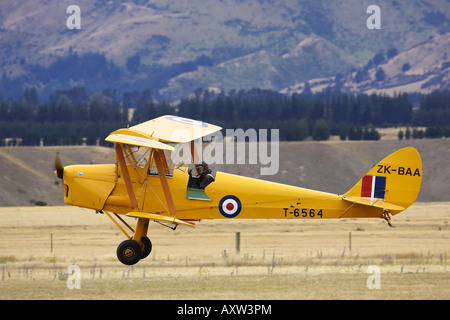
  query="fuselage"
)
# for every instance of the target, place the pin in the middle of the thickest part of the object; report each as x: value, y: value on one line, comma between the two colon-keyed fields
x: 102, y: 187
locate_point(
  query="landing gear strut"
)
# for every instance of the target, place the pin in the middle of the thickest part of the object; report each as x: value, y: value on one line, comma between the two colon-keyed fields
x: 137, y: 247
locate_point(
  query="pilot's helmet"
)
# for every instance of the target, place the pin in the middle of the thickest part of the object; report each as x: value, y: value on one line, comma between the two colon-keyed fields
x: 202, y: 164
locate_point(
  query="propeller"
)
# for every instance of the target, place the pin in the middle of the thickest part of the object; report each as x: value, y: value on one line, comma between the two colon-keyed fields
x: 59, y: 169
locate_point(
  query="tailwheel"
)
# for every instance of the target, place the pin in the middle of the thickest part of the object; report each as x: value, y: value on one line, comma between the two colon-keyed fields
x: 386, y: 215
x: 129, y: 252
x: 147, y: 247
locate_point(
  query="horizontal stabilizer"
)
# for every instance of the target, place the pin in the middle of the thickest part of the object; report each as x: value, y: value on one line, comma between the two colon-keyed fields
x: 373, y: 202
x: 160, y: 217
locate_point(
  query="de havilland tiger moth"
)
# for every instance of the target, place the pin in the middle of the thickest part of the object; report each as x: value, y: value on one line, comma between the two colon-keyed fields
x: 145, y: 185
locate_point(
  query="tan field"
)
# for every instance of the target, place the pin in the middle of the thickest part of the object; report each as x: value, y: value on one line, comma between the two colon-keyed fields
x: 278, y: 259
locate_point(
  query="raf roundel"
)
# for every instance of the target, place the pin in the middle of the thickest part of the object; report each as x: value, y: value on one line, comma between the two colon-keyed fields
x: 230, y: 206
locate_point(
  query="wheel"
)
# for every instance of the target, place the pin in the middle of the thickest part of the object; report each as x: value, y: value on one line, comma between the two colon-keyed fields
x: 129, y: 252
x: 147, y: 247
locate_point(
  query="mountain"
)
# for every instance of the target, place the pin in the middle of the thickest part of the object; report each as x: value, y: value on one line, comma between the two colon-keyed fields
x: 423, y: 68
x: 173, y: 47
x: 265, y: 70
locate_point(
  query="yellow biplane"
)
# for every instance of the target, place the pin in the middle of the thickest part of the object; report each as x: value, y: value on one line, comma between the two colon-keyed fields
x: 145, y: 184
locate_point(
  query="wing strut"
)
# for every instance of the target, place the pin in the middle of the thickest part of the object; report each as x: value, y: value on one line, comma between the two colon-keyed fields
x: 194, y: 154
x: 159, y: 160
x: 126, y: 176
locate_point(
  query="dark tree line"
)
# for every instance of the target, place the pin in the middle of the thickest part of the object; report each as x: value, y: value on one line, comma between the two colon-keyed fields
x: 69, y: 118
x: 75, y: 116
x: 361, y: 109
x: 434, y: 110
x: 428, y: 132
x: 301, y: 115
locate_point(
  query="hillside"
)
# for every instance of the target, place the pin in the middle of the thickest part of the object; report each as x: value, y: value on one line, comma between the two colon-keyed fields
x: 423, y: 68
x: 27, y: 172
x: 333, y: 166
x: 173, y: 47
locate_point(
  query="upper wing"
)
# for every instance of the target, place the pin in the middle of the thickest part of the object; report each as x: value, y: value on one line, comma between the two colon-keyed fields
x: 175, y: 129
x: 137, y: 140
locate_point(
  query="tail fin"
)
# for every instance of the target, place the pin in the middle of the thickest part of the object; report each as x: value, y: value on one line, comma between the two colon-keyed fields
x: 392, y: 184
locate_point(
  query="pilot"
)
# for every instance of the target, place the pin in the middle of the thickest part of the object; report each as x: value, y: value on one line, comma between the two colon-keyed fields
x: 204, y: 175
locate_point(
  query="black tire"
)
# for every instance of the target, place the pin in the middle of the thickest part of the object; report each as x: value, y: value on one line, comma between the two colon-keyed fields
x: 129, y: 252
x: 147, y: 247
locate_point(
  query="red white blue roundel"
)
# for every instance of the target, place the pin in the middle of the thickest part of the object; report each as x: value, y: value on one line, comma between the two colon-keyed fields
x: 230, y: 206
x: 188, y: 121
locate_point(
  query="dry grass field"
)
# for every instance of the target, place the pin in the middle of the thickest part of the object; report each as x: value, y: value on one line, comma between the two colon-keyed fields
x: 278, y: 259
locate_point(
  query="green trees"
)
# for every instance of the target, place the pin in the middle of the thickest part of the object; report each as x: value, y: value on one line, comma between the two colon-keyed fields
x: 320, y: 131
x: 69, y: 118
x: 434, y: 110
x: 76, y: 116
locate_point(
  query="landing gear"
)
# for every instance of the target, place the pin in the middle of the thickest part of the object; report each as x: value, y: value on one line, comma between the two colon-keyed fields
x: 129, y: 252
x: 147, y: 247
x: 138, y: 246
x: 386, y: 215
